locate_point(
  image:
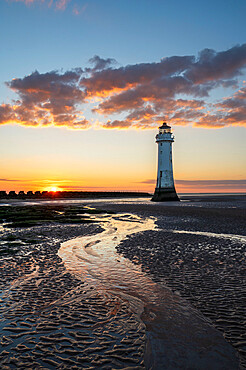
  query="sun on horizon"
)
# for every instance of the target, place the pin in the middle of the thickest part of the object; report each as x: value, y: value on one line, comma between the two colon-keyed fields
x: 54, y: 189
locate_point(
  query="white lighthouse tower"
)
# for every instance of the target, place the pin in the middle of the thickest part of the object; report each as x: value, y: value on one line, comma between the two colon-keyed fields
x: 165, y: 190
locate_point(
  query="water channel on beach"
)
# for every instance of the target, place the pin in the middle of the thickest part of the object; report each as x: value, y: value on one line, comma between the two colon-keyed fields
x: 178, y: 336
x: 90, y: 289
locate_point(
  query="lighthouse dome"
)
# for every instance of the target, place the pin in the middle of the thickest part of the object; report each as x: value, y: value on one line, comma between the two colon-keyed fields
x: 165, y: 125
x: 164, y: 128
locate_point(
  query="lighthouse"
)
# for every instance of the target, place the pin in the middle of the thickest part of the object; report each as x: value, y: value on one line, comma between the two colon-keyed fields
x: 165, y: 190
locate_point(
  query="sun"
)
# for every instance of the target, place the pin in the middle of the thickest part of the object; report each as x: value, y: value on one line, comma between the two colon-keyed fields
x: 53, y: 189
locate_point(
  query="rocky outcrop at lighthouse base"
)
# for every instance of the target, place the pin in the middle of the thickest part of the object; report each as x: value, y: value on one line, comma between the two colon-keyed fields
x: 165, y: 195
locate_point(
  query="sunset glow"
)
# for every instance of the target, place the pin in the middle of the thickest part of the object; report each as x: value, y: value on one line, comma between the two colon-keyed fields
x: 53, y: 189
x: 85, y: 118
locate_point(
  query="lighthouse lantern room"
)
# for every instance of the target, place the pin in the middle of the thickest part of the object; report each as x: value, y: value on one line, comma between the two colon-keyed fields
x: 165, y: 189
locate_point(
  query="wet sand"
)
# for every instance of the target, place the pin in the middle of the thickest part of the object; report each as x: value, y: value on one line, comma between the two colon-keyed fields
x: 52, y: 318
x: 206, y: 267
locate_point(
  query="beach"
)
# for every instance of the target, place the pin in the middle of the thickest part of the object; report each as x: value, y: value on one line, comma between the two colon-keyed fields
x: 124, y: 284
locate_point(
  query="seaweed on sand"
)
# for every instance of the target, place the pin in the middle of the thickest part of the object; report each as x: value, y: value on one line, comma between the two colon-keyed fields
x: 37, y: 215
x: 10, y: 249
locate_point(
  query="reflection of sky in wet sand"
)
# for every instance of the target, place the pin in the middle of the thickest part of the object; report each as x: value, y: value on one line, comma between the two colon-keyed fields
x: 240, y: 238
x: 177, y: 334
x: 225, y: 200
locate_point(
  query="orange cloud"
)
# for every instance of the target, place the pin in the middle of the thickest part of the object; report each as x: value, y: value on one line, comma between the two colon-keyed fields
x: 174, y: 89
x: 46, y: 99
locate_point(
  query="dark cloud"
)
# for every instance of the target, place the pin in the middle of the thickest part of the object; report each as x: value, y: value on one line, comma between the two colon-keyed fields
x: 46, y: 99
x: 212, y: 182
x: 143, y: 74
x: 8, y: 180
x: 117, y: 124
x: 100, y: 63
x: 213, y: 66
x: 7, y: 114
x: 215, y: 184
x: 149, y: 181
x: 174, y: 89
x: 230, y: 111
x: 154, y: 87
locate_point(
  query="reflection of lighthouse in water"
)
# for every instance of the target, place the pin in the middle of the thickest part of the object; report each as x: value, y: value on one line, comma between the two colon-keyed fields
x: 165, y: 189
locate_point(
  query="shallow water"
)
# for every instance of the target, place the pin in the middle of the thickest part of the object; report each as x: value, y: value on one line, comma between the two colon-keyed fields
x: 240, y: 238
x: 186, y: 200
x: 95, y: 256
x: 177, y: 334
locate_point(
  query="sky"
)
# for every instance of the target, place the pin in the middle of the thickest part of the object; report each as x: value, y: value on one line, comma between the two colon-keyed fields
x: 84, y: 86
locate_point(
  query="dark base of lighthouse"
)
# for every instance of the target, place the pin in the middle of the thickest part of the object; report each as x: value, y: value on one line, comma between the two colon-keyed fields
x: 165, y: 195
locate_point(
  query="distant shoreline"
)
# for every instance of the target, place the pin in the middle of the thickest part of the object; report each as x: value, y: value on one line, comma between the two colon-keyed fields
x: 12, y: 195
x: 72, y: 195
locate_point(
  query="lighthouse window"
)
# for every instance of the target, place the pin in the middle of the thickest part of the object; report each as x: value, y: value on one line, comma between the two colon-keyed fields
x: 161, y: 144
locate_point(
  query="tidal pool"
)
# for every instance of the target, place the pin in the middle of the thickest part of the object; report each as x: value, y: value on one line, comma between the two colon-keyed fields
x: 178, y: 336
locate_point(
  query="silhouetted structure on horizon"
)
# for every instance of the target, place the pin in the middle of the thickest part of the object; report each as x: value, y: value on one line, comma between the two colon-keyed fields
x: 71, y: 194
